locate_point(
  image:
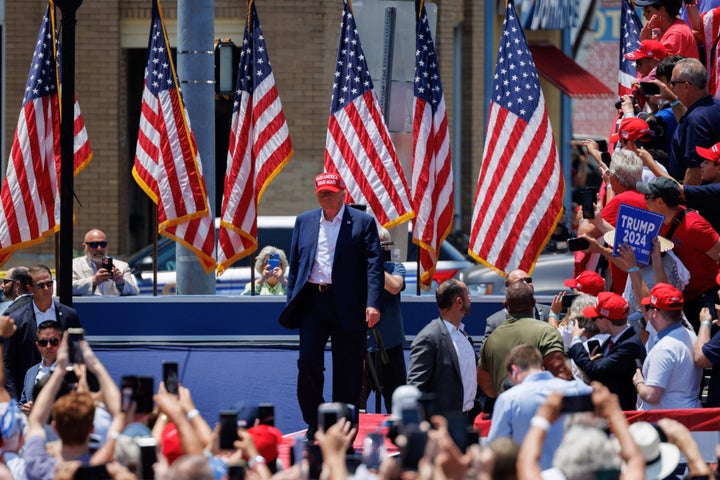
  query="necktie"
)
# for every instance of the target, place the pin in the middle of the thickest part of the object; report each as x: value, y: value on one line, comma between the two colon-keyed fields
x: 611, y: 344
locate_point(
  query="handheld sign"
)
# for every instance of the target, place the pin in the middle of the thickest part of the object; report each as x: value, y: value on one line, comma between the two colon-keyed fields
x: 637, y: 227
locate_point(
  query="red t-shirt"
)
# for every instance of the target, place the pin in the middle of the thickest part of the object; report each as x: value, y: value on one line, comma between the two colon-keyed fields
x: 693, y: 237
x: 609, y: 213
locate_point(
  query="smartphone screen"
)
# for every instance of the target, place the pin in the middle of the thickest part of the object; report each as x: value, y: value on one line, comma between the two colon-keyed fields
x: 170, y: 377
x: 228, y: 429
x: 143, y: 397
x: 578, y: 244
x: 577, y: 403
x: 107, y: 264
x: 75, y: 336
x: 373, y: 450
x: 567, y: 300
x: 602, y: 145
x: 649, y: 88
x: 587, y: 196
x: 127, y: 391
x: 592, y: 345
x: 414, y: 450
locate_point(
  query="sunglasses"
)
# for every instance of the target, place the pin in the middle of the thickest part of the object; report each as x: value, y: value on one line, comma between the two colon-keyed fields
x: 650, y: 307
x: 44, y: 285
x: 675, y: 82
x: 8, y: 280
x: 52, y: 341
x: 96, y: 244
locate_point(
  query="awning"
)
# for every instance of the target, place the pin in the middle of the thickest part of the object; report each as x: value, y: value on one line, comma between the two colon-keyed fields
x: 562, y: 71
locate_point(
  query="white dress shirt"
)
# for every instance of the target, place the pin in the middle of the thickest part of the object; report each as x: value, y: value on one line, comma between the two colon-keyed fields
x: 327, y: 239
x: 466, y: 360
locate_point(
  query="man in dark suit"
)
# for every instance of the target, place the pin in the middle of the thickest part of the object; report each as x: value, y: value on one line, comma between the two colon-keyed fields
x: 20, y: 350
x: 49, y: 334
x: 334, y: 290
x: 442, y: 357
x: 619, y: 353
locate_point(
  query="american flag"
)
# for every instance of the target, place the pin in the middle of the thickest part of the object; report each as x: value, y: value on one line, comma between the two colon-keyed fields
x: 518, y: 202
x: 259, y: 146
x: 358, y: 144
x: 167, y: 163
x: 432, y: 176
x: 630, y: 27
x: 29, y: 210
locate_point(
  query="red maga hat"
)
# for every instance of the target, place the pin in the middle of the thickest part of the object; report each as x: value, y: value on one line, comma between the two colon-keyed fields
x: 664, y: 296
x: 329, y: 182
x: 648, y: 49
x: 609, y: 305
x: 632, y: 128
x: 587, y: 282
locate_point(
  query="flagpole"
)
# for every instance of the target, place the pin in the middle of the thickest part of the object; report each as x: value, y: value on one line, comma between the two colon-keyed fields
x: 67, y: 154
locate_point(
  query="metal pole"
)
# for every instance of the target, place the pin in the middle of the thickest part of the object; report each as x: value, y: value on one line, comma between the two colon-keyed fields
x: 67, y: 130
x: 195, y: 69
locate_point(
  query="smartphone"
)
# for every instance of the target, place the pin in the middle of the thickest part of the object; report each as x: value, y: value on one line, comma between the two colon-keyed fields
x: 273, y: 260
x: 602, y: 145
x: 170, y: 377
x: 606, y: 158
x: 92, y: 472
x: 228, y: 429
x: 75, y: 336
x: 577, y: 403
x: 107, y: 264
x: 587, y: 201
x: 593, y: 344
x: 649, y: 88
x: 148, y: 456
x: 578, y: 244
x: 410, y: 418
x: 144, y: 389
x: 638, y: 363
x: 266, y: 414
x: 330, y: 413
x: 567, y: 300
x: 70, y: 375
x: 373, y: 450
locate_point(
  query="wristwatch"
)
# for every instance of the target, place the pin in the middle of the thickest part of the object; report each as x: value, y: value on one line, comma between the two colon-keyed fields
x: 255, y: 460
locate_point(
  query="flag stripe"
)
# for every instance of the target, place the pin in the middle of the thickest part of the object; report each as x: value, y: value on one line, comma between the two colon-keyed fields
x: 358, y: 145
x: 167, y: 163
x: 259, y: 146
x: 520, y: 186
x: 432, y: 177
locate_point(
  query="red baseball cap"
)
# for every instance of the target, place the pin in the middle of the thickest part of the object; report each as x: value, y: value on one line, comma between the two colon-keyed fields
x: 266, y: 439
x: 329, y: 182
x: 648, y: 49
x: 609, y: 305
x: 631, y: 128
x: 712, y: 153
x: 170, y: 445
x: 664, y: 296
x: 587, y: 282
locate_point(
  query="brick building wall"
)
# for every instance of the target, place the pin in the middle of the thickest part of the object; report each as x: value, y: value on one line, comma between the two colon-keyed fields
x: 302, y: 41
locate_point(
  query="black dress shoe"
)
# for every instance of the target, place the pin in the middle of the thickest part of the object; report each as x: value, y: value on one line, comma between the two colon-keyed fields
x: 310, y: 435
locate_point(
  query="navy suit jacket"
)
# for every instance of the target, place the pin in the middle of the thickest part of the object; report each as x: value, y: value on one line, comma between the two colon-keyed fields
x: 358, y: 277
x: 434, y: 367
x: 20, y: 350
x: 615, y: 370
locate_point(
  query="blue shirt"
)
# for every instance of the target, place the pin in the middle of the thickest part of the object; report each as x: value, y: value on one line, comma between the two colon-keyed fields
x: 515, y: 407
x: 391, y: 325
x: 700, y: 126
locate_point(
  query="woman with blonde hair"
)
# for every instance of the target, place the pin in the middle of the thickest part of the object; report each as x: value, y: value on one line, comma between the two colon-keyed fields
x: 271, y: 263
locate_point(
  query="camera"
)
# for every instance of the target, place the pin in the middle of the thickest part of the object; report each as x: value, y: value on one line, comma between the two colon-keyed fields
x: 618, y: 104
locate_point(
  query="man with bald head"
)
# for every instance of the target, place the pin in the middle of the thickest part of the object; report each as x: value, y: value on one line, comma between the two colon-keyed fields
x: 539, y: 312
x: 93, y: 277
x: 519, y: 328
